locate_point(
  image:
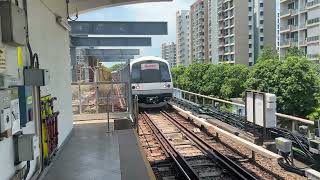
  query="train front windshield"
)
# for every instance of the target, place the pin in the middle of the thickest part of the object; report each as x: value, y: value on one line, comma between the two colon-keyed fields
x: 150, y: 72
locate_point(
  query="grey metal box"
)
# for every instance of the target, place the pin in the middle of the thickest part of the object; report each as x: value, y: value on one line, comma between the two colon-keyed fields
x: 24, y: 147
x: 120, y: 124
x: 12, y: 24
x: 283, y: 144
x: 36, y: 77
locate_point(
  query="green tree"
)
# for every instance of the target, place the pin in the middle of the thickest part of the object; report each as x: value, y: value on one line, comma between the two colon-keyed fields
x: 177, y: 73
x: 214, y: 79
x: 293, y: 80
x: 294, y: 51
x: 116, y: 67
x: 267, y: 54
x: 262, y: 76
x: 300, y: 80
x: 224, y: 80
x: 193, y: 77
x: 234, y: 81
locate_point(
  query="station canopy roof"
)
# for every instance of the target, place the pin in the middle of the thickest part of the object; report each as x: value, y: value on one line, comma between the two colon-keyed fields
x: 83, y: 6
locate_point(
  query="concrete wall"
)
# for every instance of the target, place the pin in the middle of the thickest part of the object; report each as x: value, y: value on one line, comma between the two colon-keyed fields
x: 51, y: 42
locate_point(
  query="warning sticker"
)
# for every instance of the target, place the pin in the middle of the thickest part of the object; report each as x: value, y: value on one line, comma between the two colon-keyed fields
x: 3, y: 64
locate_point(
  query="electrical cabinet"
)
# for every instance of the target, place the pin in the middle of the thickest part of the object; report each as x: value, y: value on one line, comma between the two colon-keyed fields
x: 261, y: 109
x: 270, y: 110
x: 12, y: 24
x: 5, y: 112
x: 24, y: 147
x: 36, y: 77
x: 25, y: 104
x: 15, y: 116
x: 283, y: 145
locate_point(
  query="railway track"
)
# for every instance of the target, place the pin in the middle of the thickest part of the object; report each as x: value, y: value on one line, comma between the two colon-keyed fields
x: 160, y: 161
x: 192, y: 155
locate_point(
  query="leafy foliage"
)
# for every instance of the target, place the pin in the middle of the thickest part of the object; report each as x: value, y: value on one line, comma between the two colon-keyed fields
x: 234, y: 81
x: 268, y: 53
x: 193, y: 77
x: 116, y: 67
x: 295, y: 80
x: 225, y: 81
x: 177, y: 72
x: 294, y: 51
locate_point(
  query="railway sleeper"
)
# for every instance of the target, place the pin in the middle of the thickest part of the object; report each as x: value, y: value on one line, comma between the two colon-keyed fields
x: 201, y: 162
x: 208, y: 171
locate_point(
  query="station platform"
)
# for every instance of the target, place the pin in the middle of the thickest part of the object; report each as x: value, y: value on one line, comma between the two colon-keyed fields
x: 93, y: 154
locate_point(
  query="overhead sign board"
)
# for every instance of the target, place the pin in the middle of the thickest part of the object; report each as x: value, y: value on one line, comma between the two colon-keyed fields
x: 118, y: 28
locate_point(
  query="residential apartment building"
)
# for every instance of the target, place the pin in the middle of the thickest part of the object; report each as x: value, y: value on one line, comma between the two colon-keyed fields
x: 245, y: 28
x: 168, y: 52
x: 213, y: 32
x: 233, y: 31
x: 300, y: 27
x: 265, y: 20
x: 198, y: 50
x: 278, y: 25
x: 182, y: 34
x: 82, y: 66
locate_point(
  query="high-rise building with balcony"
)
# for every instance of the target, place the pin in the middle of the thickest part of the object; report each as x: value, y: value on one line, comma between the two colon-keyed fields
x: 300, y: 27
x: 244, y: 29
x: 182, y: 30
x: 199, y: 32
x: 168, y: 52
x: 233, y: 31
x: 278, y: 25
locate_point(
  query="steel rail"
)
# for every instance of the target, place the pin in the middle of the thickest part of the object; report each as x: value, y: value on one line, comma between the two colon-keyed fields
x: 161, y: 146
x: 226, y: 162
x: 177, y: 158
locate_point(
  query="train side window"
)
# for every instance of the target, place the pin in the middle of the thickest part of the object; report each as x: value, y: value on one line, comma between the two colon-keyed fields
x: 164, y: 71
x: 135, y: 73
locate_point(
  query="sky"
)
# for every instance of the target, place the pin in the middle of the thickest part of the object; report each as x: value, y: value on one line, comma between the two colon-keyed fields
x: 155, y: 11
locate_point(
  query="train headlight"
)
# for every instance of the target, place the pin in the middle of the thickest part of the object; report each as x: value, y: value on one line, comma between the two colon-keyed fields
x: 136, y: 87
x: 167, y: 86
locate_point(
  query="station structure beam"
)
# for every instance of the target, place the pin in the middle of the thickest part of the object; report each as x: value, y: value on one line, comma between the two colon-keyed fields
x: 79, y: 41
x: 118, y: 28
x: 114, y: 58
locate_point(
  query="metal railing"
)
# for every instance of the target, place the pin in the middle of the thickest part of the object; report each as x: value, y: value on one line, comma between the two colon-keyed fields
x: 204, y: 100
x: 99, y: 97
